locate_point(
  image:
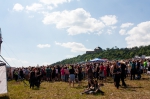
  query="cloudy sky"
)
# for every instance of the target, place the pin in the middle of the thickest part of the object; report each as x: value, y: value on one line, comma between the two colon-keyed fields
x: 46, y: 31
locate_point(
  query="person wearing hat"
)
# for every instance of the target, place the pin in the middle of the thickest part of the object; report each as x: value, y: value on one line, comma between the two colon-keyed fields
x: 123, y: 72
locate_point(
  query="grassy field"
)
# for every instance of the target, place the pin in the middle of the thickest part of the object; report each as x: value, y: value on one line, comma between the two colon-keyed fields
x: 137, y: 89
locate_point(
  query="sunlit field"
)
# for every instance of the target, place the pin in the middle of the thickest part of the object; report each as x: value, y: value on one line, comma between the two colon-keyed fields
x: 137, y: 89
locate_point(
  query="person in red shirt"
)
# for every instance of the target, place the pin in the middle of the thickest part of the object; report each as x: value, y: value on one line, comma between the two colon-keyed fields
x: 62, y: 74
x: 101, y: 72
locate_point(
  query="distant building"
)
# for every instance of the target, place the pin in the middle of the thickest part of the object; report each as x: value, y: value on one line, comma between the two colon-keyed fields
x: 89, y: 52
x: 96, y: 50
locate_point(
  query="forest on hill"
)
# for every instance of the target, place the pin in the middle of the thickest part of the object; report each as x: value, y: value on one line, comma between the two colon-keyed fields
x: 114, y: 53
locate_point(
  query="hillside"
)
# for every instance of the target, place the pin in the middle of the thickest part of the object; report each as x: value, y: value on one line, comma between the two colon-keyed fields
x: 114, y: 53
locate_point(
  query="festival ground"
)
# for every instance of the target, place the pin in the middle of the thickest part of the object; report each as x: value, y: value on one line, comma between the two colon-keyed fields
x: 137, y: 89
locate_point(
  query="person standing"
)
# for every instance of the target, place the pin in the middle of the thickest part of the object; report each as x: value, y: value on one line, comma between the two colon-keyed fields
x: 101, y: 73
x: 145, y: 65
x: 97, y: 71
x: 66, y: 74
x: 53, y: 74
x: 117, y: 75
x: 62, y: 74
x: 48, y: 73
x: 133, y: 70
x: 123, y: 72
x: 90, y: 75
x: 83, y: 72
x: 32, y: 78
x: 57, y: 74
x: 26, y: 74
x: 108, y: 70
x: 38, y: 77
x: 138, y: 69
x: 79, y: 75
x: 16, y: 74
x: 71, y: 76
x: 21, y: 74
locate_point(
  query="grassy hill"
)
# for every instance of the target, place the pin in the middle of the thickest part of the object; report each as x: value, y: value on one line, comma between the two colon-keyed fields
x: 114, y: 53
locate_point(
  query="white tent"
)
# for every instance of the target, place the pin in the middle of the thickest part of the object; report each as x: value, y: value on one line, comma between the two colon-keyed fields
x: 3, y: 80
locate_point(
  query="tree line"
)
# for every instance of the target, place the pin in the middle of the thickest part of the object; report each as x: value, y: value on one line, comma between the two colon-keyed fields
x: 113, y: 53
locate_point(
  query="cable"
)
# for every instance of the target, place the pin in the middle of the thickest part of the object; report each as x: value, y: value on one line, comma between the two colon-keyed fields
x: 7, y: 54
x: 13, y: 53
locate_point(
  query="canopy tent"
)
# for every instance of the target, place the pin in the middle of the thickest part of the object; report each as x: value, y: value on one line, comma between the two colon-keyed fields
x: 3, y: 79
x: 97, y: 60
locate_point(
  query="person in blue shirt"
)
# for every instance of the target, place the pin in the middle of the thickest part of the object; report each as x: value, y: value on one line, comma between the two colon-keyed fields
x: 133, y: 70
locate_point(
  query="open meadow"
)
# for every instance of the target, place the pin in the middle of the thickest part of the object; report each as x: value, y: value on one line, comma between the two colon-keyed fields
x: 137, y: 89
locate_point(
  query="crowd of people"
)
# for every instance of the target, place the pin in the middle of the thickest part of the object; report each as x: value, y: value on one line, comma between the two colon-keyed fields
x: 94, y: 72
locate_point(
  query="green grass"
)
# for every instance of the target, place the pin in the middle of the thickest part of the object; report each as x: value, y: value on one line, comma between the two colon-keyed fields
x: 137, y: 89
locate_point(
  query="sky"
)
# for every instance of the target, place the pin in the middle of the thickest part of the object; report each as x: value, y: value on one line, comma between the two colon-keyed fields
x: 42, y: 32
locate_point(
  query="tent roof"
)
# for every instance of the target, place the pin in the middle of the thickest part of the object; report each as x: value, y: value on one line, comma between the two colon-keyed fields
x: 96, y: 59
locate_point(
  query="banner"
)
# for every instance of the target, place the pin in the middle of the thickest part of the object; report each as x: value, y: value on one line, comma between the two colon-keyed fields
x: 3, y: 80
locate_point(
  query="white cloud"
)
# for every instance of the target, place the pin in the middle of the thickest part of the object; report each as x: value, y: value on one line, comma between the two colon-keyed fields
x: 113, y: 27
x: 122, y: 32
x: 76, y: 21
x: 43, y: 45
x: 139, y: 35
x: 109, y: 31
x: 18, y: 7
x: 75, y: 47
x: 125, y: 25
x: 54, y: 2
x: 100, y: 32
x: 34, y: 7
x: 50, y: 7
x: 109, y: 19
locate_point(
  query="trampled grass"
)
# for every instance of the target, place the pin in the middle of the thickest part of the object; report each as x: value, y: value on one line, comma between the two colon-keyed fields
x: 137, y: 89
